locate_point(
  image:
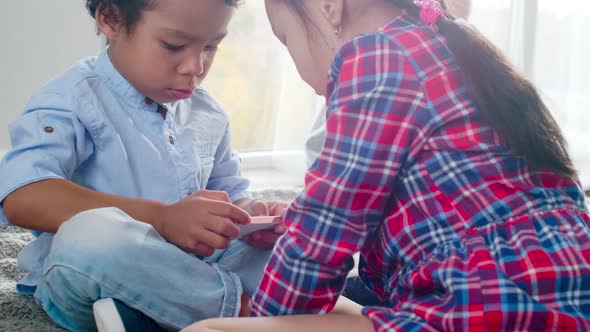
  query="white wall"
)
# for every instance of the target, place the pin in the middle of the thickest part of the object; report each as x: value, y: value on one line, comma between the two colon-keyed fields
x: 41, y: 38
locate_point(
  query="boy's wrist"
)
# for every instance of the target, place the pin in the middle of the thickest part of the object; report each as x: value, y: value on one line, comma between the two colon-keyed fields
x: 155, y: 216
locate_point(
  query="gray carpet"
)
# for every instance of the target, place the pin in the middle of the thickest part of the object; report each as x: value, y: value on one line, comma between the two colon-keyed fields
x: 17, y: 312
x: 21, y: 313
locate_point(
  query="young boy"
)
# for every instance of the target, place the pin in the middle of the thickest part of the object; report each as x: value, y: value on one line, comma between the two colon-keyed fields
x: 124, y: 169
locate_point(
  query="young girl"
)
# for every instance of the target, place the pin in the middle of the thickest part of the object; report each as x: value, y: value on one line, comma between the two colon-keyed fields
x: 137, y: 159
x: 441, y: 165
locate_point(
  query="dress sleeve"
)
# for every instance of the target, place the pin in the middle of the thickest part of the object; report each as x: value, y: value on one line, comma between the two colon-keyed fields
x: 373, y: 116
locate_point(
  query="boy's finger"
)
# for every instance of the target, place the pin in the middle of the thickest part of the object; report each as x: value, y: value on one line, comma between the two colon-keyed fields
x: 269, y: 237
x: 259, y: 208
x: 280, y: 229
x: 214, y: 195
x: 278, y: 208
x: 225, y: 227
x: 259, y: 244
x: 202, y: 250
x: 230, y: 211
x: 213, y: 239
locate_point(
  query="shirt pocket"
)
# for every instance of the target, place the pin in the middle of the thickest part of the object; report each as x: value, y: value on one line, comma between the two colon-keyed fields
x: 206, y: 162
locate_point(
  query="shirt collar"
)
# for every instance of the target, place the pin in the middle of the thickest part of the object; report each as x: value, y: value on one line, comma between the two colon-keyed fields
x: 109, y: 74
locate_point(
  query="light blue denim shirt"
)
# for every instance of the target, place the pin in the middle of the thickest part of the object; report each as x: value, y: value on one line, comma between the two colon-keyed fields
x: 91, y: 126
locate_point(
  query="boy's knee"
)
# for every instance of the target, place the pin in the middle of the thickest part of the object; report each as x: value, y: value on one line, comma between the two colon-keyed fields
x: 65, y: 299
x: 93, y: 223
x: 90, y: 238
x: 63, y: 282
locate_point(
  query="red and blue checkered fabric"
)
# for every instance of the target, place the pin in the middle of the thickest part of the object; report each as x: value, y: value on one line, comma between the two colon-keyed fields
x: 455, y: 231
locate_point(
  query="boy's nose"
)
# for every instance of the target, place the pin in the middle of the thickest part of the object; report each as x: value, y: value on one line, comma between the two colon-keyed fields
x: 193, y: 66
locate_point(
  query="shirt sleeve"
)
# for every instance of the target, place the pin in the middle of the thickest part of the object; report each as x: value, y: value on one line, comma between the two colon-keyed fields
x: 226, y: 174
x: 371, y: 120
x: 46, y: 143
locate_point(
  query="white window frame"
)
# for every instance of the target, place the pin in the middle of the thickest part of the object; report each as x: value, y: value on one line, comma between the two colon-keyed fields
x: 523, y: 34
x: 274, y: 169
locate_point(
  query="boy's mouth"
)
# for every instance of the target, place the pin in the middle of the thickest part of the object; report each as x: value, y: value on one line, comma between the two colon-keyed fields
x: 180, y: 93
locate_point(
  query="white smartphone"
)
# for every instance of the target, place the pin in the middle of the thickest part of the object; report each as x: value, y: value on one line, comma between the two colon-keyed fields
x: 259, y: 223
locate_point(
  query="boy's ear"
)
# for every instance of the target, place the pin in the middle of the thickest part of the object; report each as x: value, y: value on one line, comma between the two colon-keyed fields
x: 333, y: 11
x: 108, y: 21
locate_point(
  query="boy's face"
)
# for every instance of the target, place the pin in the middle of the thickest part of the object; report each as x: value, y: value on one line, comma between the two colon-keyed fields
x: 169, y: 52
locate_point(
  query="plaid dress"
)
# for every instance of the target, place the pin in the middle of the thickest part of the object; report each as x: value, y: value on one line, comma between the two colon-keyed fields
x: 455, y: 232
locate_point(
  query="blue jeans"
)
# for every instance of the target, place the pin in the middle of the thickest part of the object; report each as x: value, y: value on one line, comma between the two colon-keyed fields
x: 104, y: 253
x: 356, y: 291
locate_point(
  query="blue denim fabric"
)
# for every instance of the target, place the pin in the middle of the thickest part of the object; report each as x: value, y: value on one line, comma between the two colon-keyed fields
x: 105, y: 253
x: 356, y: 291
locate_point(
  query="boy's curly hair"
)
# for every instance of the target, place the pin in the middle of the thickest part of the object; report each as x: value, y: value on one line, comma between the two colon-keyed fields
x: 129, y: 11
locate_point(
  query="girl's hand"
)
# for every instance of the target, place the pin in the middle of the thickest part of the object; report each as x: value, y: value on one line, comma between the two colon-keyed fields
x: 257, y: 207
x: 202, y: 222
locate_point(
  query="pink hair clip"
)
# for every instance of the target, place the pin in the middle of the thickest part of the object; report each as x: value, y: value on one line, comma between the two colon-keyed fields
x: 430, y: 11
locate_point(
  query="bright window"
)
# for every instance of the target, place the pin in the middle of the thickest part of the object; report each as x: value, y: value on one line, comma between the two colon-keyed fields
x: 257, y: 83
x: 548, y: 41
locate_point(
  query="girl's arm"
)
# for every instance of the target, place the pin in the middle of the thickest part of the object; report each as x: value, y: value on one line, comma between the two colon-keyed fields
x: 371, y: 125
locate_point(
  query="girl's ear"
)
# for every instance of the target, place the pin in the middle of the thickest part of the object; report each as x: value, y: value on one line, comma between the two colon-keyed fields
x: 108, y: 21
x: 333, y: 10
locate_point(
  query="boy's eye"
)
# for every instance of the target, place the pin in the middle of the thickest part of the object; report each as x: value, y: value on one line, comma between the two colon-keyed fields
x: 211, y: 49
x: 173, y: 47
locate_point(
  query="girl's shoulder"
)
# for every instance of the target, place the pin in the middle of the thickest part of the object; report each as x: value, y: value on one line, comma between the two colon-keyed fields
x: 403, y: 35
x: 406, y: 39
x: 411, y: 36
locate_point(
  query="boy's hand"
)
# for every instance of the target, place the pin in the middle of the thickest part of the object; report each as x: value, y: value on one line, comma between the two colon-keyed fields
x: 202, y: 222
x: 257, y: 207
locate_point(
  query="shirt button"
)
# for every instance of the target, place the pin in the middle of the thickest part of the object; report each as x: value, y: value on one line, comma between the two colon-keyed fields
x: 49, y: 129
x: 171, y: 139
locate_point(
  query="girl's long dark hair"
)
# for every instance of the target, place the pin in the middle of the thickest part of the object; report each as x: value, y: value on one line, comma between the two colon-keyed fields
x: 505, y: 98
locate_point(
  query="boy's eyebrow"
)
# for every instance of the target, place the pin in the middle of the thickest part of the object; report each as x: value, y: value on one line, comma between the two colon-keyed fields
x: 220, y: 36
x: 186, y: 35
